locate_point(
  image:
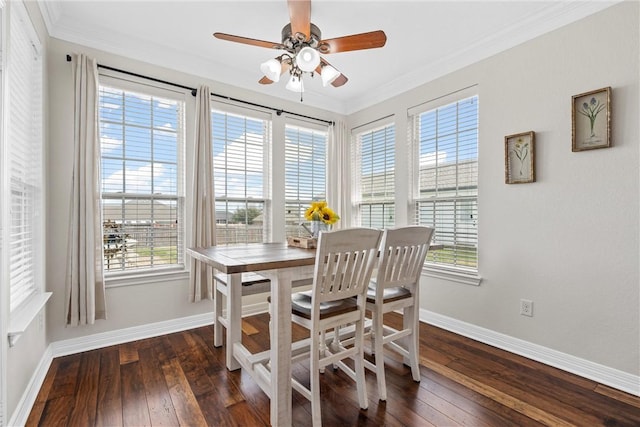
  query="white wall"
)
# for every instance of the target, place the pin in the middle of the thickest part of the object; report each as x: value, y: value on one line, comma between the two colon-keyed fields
x: 570, y: 241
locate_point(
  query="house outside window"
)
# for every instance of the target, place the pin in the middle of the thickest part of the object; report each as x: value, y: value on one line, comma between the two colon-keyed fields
x: 373, y: 175
x: 445, y: 178
x: 241, y: 173
x: 142, y: 164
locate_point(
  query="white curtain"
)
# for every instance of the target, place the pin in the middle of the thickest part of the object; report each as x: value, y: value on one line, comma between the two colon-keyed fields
x: 338, y: 177
x: 84, y: 294
x: 204, y: 215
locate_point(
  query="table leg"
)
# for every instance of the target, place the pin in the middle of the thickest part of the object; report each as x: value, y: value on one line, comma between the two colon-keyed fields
x: 281, y: 348
x: 234, y: 318
x: 217, y: 312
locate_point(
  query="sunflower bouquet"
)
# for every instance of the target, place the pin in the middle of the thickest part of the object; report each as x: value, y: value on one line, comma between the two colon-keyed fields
x: 319, y: 211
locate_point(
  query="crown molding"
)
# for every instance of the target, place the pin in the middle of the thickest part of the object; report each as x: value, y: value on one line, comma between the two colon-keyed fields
x: 51, y: 12
x: 549, y: 19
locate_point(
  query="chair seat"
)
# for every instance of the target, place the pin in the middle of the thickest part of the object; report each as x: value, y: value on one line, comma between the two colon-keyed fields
x: 301, y: 306
x: 389, y: 294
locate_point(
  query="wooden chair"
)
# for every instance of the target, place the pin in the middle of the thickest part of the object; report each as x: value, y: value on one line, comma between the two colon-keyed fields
x: 344, y: 262
x: 396, y: 286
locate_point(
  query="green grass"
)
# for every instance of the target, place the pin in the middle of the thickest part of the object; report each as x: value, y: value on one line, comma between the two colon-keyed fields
x: 164, y: 252
x: 463, y: 256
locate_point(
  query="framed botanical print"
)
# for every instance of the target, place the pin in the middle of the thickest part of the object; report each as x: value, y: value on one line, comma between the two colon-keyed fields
x: 591, y: 120
x: 519, y: 158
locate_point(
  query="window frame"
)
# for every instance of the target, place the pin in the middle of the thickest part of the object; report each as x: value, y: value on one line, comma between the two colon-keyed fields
x: 388, y: 201
x: 266, y: 199
x: 16, y: 14
x: 467, y: 275
x: 178, y: 270
x: 295, y: 230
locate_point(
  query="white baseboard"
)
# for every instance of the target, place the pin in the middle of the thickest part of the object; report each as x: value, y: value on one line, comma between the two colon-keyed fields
x: 21, y: 413
x: 253, y: 309
x: 104, y: 339
x: 605, y: 375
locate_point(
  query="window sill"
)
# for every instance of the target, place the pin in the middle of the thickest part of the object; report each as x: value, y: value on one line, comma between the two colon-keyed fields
x: 21, y: 318
x: 453, y: 276
x: 145, y: 278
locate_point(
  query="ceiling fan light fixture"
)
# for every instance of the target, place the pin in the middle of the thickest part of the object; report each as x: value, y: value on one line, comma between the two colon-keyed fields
x: 307, y: 59
x: 271, y: 69
x: 295, y: 84
x: 328, y: 74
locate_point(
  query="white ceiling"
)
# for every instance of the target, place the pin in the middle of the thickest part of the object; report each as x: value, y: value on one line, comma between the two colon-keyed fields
x: 425, y: 39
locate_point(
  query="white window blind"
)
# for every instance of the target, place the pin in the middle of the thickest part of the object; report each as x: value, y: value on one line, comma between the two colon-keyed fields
x: 142, y: 141
x: 305, y: 173
x: 374, y: 176
x: 446, y: 172
x: 25, y: 148
x: 241, y: 177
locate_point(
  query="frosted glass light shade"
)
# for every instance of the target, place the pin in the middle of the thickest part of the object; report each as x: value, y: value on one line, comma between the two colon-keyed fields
x: 308, y: 59
x: 328, y: 74
x: 271, y: 69
x: 295, y: 84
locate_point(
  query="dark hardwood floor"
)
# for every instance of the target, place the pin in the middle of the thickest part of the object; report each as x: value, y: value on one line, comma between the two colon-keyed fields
x: 181, y: 379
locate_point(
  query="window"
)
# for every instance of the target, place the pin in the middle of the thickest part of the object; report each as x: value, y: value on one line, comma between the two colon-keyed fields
x: 446, y: 175
x: 241, y: 176
x: 24, y: 163
x: 374, y: 176
x: 142, y: 141
x: 305, y: 173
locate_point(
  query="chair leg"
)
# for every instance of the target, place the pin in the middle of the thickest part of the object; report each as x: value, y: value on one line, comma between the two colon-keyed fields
x: 322, y: 348
x: 335, y: 344
x: 411, y: 318
x: 217, y: 311
x: 314, y: 371
x: 359, y: 366
x: 378, y: 346
x: 372, y: 335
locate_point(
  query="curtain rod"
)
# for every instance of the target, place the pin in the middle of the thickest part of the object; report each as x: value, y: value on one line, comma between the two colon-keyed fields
x: 193, y: 92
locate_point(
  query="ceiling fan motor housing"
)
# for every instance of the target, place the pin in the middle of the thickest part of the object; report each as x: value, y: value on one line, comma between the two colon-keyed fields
x: 294, y: 42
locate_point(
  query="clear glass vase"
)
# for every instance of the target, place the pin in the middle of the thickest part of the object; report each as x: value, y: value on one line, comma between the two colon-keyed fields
x: 317, y: 227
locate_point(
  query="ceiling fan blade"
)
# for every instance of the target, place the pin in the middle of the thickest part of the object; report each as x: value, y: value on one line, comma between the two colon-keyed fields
x: 342, y: 79
x: 360, y: 41
x: 246, y: 40
x: 300, y: 15
x: 265, y: 80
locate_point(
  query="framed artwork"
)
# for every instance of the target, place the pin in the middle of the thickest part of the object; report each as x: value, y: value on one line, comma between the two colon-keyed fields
x: 591, y: 120
x: 519, y: 158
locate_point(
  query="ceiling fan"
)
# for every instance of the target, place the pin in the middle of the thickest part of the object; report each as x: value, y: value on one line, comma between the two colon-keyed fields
x: 302, y: 42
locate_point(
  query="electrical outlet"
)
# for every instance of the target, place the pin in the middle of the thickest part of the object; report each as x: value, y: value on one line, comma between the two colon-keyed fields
x: 526, y: 307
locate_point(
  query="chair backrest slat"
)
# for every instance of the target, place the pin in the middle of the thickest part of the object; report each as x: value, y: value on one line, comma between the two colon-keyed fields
x: 344, y: 263
x: 402, y: 254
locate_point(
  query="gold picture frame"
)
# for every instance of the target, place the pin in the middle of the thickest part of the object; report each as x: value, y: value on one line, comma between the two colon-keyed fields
x: 519, y: 158
x: 591, y: 120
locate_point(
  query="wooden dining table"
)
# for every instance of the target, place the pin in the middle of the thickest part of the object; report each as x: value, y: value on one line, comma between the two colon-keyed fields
x: 282, y: 265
